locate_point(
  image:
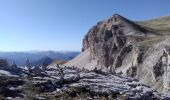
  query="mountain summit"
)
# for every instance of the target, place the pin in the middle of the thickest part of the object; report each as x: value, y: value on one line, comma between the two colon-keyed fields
x: 129, y: 48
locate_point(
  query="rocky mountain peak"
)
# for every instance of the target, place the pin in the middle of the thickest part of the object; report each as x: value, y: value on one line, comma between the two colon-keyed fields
x: 119, y: 18
x: 109, y: 38
x: 122, y: 46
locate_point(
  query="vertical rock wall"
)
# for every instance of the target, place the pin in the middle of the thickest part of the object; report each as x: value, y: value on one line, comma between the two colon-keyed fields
x: 127, y: 48
x: 166, y: 61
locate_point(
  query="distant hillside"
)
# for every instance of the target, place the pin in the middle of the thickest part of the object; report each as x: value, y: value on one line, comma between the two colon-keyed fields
x: 43, y: 61
x: 36, y: 57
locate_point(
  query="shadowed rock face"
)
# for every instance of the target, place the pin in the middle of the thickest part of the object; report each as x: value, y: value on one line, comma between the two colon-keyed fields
x: 122, y: 46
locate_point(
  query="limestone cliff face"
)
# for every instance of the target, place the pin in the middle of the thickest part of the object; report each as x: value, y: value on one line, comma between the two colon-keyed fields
x: 112, y: 39
x: 166, y: 64
x: 122, y: 46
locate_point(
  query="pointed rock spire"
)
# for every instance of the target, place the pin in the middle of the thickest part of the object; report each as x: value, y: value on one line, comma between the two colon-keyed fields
x: 27, y: 63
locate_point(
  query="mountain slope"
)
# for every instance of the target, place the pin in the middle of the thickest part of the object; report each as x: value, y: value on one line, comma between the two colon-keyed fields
x: 161, y: 25
x: 110, y: 36
x: 83, y: 61
x: 134, y: 49
x: 43, y: 61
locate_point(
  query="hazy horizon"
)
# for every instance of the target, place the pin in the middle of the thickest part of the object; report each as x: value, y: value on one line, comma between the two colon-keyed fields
x: 60, y: 25
x: 32, y: 51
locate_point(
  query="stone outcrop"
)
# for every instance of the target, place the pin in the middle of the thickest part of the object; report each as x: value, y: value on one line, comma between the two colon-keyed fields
x: 125, y: 47
x: 70, y: 83
x: 111, y: 40
x: 166, y: 63
x: 28, y: 64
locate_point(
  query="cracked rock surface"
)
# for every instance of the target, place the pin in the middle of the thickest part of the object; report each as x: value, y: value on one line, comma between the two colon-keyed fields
x: 57, y: 82
x: 119, y: 45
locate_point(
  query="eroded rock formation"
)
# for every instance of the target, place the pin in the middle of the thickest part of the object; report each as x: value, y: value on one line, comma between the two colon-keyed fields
x: 70, y: 83
x: 166, y: 64
x: 121, y: 46
x: 111, y: 40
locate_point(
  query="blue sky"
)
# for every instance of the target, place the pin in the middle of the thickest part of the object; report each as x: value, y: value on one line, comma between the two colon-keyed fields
x: 61, y: 24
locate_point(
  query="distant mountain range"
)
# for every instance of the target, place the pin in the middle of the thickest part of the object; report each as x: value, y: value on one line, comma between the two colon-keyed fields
x: 37, y: 57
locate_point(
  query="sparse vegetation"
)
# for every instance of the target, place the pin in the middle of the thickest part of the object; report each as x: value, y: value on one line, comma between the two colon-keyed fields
x: 161, y: 25
x: 59, y: 62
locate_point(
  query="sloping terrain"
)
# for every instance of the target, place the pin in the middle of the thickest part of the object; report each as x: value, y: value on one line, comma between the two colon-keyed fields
x: 161, y: 25
x: 83, y: 61
x: 134, y: 49
x: 43, y: 61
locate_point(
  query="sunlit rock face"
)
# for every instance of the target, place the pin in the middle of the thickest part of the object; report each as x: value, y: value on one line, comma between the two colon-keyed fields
x: 125, y: 47
x: 70, y: 83
x: 27, y: 64
x: 111, y: 40
x: 166, y: 62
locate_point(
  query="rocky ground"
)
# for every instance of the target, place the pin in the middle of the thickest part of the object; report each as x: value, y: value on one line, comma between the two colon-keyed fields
x: 70, y: 83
